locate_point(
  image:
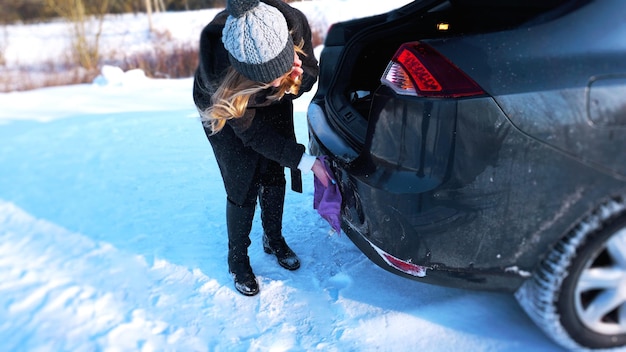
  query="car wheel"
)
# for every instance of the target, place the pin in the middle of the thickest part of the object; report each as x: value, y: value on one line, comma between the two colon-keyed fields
x: 578, y: 294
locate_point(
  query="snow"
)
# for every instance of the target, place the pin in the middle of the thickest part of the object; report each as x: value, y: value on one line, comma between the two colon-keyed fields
x: 112, y: 234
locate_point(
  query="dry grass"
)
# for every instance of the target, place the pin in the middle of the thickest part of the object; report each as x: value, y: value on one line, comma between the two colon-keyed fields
x: 177, y: 62
x: 27, y: 78
x: 162, y: 61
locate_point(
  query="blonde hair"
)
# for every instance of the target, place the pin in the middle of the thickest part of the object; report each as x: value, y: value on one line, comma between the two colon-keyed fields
x: 231, y: 98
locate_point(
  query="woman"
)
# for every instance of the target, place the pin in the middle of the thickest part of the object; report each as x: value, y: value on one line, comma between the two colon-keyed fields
x: 255, y: 58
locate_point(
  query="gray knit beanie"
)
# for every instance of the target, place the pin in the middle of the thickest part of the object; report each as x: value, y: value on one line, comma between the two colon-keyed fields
x: 257, y: 39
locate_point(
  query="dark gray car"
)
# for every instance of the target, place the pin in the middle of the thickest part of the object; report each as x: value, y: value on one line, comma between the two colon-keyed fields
x: 482, y: 144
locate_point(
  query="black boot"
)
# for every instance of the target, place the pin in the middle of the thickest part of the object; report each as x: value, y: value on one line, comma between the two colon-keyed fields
x: 239, y: 223
x: 272, y: 199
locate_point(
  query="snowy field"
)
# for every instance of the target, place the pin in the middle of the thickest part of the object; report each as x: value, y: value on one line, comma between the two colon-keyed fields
x: 112, y: 235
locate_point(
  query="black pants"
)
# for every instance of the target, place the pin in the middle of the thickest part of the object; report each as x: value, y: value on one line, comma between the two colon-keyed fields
x: 268, y: 174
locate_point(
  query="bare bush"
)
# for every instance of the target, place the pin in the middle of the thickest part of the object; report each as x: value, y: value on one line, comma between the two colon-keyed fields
x: 85, y: 40
x: 172, y: 61
x: 4, y: 42
x: 164, y: 60
x: 49, y: 74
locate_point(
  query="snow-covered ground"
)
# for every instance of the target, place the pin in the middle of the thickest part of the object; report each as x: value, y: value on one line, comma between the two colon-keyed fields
x: 112, y: 236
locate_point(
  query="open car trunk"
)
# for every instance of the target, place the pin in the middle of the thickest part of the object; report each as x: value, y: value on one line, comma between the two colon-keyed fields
x: 357, y: 52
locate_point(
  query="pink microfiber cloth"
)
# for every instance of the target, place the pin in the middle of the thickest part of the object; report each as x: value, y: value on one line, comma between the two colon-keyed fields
x: 327, y: 200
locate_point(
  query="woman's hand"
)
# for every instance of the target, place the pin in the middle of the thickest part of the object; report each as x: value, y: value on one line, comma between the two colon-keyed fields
x: 320, y: 172
x: 295, y: 73
x: 296, y: 69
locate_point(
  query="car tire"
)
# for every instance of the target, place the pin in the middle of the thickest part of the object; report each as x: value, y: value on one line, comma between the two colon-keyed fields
x: 561, y: 295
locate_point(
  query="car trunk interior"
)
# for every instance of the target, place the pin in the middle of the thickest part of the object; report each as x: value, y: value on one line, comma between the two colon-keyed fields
x: 369, y: 44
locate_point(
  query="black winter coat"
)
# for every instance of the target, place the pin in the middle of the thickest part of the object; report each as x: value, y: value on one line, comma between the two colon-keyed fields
x: 265, y: 131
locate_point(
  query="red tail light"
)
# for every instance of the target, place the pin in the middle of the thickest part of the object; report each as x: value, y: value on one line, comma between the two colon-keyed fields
x: 417, y: 69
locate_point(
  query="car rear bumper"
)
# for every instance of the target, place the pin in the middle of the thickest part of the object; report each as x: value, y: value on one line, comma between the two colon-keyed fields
x: 405, y: 223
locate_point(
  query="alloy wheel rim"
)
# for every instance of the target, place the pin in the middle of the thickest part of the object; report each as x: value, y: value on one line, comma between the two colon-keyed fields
x: 601, y: 288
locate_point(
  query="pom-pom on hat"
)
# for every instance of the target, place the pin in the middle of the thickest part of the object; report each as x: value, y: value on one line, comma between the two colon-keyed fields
x: 257, y: 39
